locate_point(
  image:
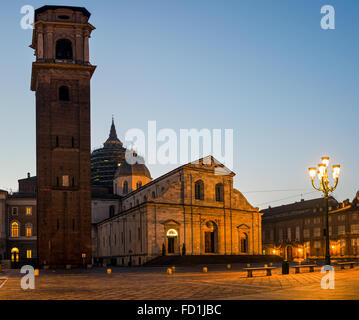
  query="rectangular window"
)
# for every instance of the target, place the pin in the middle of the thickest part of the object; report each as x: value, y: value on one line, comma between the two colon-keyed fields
x: 28, y: 211
x: 289, y: 234
x: 316, y: 232
x: 341, y: 230
x: 330, y: 230
x: 28, y: 254
x: 355, y: 246
x: 297, y: 233
x: 306, y: 233
x: 28, y: 231
x: 317, y: 244
x: 280, y: 234
x: 14, y: 211
x: 271, y: 235
x: 139, y: 234
x: 65, y: 181
x: 355, y: 228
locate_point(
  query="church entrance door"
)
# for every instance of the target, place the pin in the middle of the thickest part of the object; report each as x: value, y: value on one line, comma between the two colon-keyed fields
x: 171, y: 245
x: 209, y: 242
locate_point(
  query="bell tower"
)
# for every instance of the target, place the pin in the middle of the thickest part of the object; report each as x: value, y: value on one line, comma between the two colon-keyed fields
x: 61, y: 78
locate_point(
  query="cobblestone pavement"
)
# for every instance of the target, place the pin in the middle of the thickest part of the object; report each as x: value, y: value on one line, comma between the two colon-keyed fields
x: 185, y: 283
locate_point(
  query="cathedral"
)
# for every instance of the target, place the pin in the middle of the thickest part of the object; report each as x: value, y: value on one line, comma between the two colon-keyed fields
x: 85, y: 208
x: 192, y: 210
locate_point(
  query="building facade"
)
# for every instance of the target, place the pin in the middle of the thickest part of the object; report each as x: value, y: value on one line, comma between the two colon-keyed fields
x: 297, y: 231
x: 191, y: 210
x: 61, y: 78
x: 19, y: 224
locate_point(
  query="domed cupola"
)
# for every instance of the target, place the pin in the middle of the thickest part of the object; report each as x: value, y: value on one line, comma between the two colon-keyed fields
x: 105, y: 160
x: 130, y: 177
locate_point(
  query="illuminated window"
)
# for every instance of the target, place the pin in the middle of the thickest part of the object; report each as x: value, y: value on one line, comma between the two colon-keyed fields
x: 65, y: 181
x: 29, y: 211
x: 14, y: 255
x: 341, y: 230
x: 355, y: 228
x: 172, y: 233
x: 28, y: 254
x: 15, y: 230
x: 28, y: 231
x: 316, y: 232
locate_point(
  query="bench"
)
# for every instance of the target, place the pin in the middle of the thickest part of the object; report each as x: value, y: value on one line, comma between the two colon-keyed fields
x: 343, y: 264
x: 250, y: 270
x: 299, y: 266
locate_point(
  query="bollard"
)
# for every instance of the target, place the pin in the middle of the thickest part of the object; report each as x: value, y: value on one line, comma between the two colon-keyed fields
x: 205, y: 269
x: 36, y: 272
x: 229, y: 266
x: 109, y: 271
x: 169, y: 271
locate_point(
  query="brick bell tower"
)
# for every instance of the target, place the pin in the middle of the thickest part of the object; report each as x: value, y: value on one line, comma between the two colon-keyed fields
x: 61, y: 78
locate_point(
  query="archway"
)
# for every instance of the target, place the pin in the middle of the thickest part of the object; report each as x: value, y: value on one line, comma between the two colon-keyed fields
x: 64, y: 49
x: 14, y: 255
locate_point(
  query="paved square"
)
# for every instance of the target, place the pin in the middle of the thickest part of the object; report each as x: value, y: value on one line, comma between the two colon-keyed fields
x: 185, y: 283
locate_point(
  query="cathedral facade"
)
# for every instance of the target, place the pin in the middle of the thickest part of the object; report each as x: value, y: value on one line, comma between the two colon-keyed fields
x: 191, y: 210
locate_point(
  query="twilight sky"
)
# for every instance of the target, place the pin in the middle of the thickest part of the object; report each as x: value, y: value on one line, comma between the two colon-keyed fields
x: 263, y: 68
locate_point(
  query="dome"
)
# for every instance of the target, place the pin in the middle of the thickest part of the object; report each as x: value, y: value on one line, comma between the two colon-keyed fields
x: 137, y: 169
x: 105, y: 161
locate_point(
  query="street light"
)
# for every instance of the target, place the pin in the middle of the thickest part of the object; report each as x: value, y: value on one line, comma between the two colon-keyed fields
x: 322, y: 173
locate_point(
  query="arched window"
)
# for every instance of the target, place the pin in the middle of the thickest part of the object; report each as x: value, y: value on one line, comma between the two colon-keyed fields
x: 125, y: 187
x: 15, y: 230
x: 139, y: 185
x: 219, y: 192
x: 64, y: 93
x: 199, y: 190
x: 244, y: 242
x: 14, y: 255
x: 112, y: 211
x: 64, y: 49
x: 172, y: 233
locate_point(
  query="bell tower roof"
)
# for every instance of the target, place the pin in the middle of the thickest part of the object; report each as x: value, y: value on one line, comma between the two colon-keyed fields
x: 83, y: 10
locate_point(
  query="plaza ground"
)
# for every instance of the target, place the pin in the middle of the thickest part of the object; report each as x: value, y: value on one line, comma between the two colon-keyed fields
x: 187, y: 283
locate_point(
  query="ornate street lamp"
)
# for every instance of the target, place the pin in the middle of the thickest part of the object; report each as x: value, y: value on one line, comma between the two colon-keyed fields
x: 322, y: 173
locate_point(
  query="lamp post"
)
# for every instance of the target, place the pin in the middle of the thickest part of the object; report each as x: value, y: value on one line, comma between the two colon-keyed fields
x: 322, y: 173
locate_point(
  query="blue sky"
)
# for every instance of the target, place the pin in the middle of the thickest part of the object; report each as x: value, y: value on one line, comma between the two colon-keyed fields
x: 264, y: 68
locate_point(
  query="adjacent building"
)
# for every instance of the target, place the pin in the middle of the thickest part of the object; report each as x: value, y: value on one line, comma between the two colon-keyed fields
x: 297, y: 231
